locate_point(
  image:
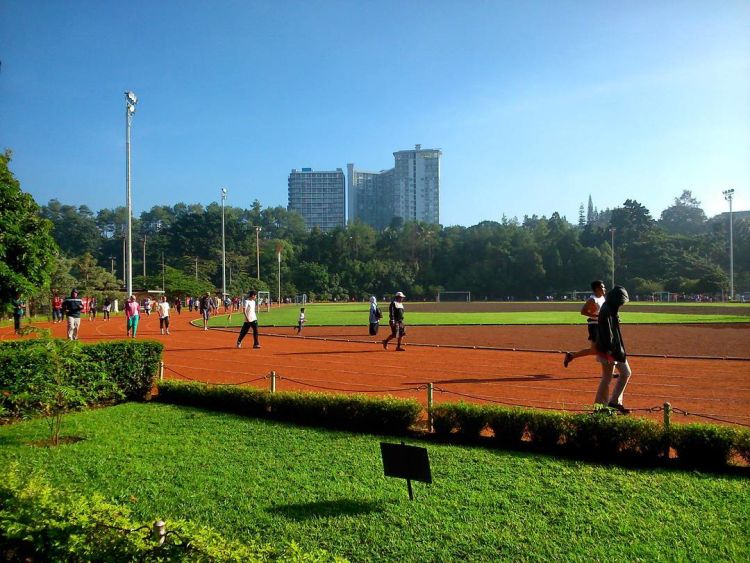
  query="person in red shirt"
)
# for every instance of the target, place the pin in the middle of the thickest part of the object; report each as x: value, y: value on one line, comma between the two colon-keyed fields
x: 57, y: 312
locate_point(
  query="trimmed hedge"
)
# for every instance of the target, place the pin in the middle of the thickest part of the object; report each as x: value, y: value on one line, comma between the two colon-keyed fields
x: 103, y: 372
x: 346, y: 412
x: 602, y: 435
x: 39, y: 523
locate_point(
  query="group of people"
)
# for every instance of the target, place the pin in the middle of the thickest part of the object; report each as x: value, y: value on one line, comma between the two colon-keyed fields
x: 133, y: 310
x: 602, y: 312
x: 395, y: 320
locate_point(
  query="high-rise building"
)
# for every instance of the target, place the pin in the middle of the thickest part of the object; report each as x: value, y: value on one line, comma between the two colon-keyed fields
x: 416, y: 189
x: 319, y: 197
x: 410, y: 190
x: 370, y: 196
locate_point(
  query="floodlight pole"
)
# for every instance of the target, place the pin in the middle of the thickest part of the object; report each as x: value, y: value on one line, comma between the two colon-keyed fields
x: 257, y: 251
x: 729, y: 196
x: 612, y: 232
x: 223, y: 248
x: 130, y: 102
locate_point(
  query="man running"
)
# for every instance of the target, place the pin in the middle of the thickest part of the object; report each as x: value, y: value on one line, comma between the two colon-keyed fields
x: 590, y: 309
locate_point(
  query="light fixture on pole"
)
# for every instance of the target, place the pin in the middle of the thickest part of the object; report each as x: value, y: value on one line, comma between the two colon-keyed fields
x: 130, y: 102
x: 223, y: 249
x: 257, y: 250
x: 729, y: 196
x: 612, y: 232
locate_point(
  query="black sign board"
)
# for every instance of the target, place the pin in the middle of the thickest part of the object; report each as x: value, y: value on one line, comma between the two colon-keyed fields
x: 406, y: 462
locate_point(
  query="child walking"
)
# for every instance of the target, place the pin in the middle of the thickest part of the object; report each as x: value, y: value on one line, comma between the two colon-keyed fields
x: 301, y: 320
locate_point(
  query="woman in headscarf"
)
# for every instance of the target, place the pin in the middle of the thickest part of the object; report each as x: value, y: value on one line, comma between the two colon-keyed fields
x: 375, y: 316
x: 611, y: 350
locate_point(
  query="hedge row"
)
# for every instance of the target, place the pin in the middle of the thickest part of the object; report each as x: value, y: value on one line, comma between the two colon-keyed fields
x: 39, y: 523
x: 102, y: 372
x: 603, y: 434
x: 346, y: 412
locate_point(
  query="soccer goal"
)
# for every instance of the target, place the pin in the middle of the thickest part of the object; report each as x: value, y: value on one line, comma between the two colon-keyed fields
x: 264, y: 301
x: 301, y: 299
x: 453, y: 296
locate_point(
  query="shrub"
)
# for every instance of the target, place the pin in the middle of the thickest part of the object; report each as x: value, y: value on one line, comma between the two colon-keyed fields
x: 742, y: 444
x: 508, y: 425
x: 97, y: 373
x: 40, y: 523
x: 132, y: 364
x: 703, y: 445
x: 470, y: 420
x: 387, y: 415
x: 444, y: 419
x: 548, y: 429
x: 606, y: 435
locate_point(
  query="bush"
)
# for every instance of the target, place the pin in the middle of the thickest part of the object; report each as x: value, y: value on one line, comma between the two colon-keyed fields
x: 508, y: 425
x: 444, y: 419
x: 548, y: 429
x: 470, y: 420
x: 99, y: 373
x: 38, y: 523
x: 386, y: 415
x: 609, y: 436
x: 703, y: 445
x: 742, y: 444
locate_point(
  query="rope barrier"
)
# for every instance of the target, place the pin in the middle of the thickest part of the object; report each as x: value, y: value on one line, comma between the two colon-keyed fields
x: 299, y: 382
x: 650, y: 410
x: 501, y: 402
x: 200, y: 381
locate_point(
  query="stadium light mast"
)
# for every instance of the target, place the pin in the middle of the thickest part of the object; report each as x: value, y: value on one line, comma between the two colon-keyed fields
x: 223, y: 248
x: 257, y: 250
x: 729, y: 196
x: 612, y: 232
x: 278, y: 256
x: 130, y: 102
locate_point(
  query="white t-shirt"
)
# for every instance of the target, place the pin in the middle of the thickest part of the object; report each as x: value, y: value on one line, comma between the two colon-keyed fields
x: 249, y: 307
x: 599, y: 302
x: 302, y: 317
x: 163, y: 309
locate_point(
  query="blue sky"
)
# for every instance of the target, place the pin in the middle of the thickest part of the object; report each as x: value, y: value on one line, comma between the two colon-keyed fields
x: 535, y: 105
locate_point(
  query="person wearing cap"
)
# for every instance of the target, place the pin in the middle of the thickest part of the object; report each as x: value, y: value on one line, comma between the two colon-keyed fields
x: 396, y: 320
x: 611, y: 350
x: 73, y: 306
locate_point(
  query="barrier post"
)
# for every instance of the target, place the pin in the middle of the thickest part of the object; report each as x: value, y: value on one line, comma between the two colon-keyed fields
x: 273, y: 381
x: 667, y: 416
x: 667, y: 422
x: 429, y: 406
x: 159, y: 531
x: 161, y: 371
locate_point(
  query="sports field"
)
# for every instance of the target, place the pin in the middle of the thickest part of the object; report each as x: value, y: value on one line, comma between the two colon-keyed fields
x: 701, y: 369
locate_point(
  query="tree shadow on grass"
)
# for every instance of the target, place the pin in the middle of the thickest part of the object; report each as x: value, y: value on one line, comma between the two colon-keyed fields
x: 326, y: 509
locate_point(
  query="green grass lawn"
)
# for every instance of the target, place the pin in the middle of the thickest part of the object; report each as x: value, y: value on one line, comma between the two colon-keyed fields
x: 356, y: 314
x: 275, y: 482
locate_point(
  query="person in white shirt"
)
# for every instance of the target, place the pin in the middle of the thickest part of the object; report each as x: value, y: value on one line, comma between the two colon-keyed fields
x: 251, y: 320
x: 590, y: 309
x: 163, y: 308
x: 301, y: 320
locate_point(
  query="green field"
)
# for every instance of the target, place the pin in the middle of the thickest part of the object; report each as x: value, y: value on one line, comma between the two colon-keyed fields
x: 356, y: 314
x: 277, y: 483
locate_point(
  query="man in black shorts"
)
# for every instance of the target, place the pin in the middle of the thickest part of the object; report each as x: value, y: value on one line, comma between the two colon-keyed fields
x: 396, y: 320
x: 590, y: 310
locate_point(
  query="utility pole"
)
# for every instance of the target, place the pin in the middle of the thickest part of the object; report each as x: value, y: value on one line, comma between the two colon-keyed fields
x: 196, y: 267
x: 144, y: 260
x: 162, y: 271
x: 257, y: 251
x: 612, y: 231
x: 729, y: 196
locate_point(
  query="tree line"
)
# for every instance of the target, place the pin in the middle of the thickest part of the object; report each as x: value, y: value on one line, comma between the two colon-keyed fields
x: 683, y: 251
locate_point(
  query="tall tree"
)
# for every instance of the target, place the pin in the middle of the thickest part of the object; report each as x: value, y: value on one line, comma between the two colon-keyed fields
x: 685, y: 217
x: 27, y: 248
